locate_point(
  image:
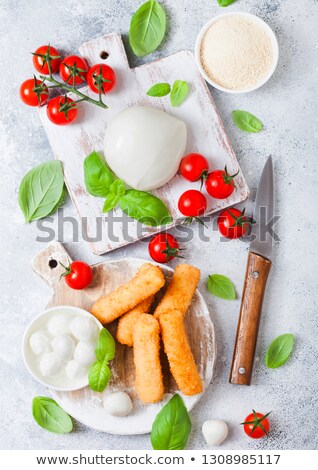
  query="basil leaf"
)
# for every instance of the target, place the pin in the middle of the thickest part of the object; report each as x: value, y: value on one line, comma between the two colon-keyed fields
x: 279, y: 351
x: 97, y: 175
x: 160, y: 89
x: 61, y: 201
x: 116, y: 190
x: 225, y: 3
x: 179, y: 92
x: 111, y: 202
x: 105, y: 349
x: 41, y: 190
x: 147, y: 28
x: 246, y: 121
x: 172, y: 426
x: 144, y: 207
x: 99, y: 376
x: 221, y: 286
x: 50, y: 416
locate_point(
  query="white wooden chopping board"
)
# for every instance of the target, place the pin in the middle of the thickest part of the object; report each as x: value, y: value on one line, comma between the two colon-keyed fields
x: 87, y: 406
x: 206, y: 134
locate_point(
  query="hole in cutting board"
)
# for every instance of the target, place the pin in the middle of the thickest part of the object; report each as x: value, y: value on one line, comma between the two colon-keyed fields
x: 104, y: 55
x: 53, y: 263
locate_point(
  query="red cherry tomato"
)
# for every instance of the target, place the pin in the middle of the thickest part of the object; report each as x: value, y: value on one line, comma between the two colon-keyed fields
x: 256, y: 425
x: 163, y: 248
x: 78, y: 275
x: 45, y: 55
x: 232, y: 223
x: 192, y: 203
x: 62, y: 110
x: 101, y: 77
x: 193, y: 167
x: 219, y: 184
x: 73, y: 68
x: 33, y: 92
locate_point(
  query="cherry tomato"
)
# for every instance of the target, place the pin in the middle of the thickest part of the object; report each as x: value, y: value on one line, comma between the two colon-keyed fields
x: 101, y: 78
x: 33, y: 92
x: 73, y: 68
x: 219, y: 184
x: 232, y: 223
x: 62, y: 110
x: 192, y: 203
x: 45, y: 55
x: 78, y: 275
x: 163, y: 248
x: 193, y: 167
x: 256, y: 425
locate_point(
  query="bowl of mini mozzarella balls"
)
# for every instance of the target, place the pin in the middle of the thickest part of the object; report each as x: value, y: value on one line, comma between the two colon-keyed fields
x: 59, y: 345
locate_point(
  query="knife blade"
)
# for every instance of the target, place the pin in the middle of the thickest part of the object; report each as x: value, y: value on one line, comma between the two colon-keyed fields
x: 257, y: 270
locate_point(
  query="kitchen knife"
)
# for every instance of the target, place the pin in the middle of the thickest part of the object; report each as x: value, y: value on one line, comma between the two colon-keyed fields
x: 258, y: 267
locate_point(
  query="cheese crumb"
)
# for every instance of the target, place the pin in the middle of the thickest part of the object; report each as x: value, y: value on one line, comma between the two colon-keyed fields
x: 236, y: 52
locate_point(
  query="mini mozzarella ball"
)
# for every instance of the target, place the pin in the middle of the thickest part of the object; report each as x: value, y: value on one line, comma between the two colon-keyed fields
x: 58, y: 325
x: 118, y: 404
x: 84, y: 328
x: 50, y: 364
x: 39, y: 342
x: 63, y: 346
x: 215, y: 431
x: 74, y: 370
x: 84, y: 353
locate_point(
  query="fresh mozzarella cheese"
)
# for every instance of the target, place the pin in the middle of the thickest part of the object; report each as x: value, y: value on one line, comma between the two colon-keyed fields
x: 143, y: 146
x: 50, y: 364
x: 39, y: 342
x: 63, y: 346
x: 83, y: 328
x: 215, y: 431
x: 84, y: 353
x: 118, y: 404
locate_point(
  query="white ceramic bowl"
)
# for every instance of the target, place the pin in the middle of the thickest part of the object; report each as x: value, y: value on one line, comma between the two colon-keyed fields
x: 266, y: 28
x: 36, y: 324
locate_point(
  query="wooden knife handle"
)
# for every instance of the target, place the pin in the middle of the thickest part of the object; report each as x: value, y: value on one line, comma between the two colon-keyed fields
x: 247, y: 329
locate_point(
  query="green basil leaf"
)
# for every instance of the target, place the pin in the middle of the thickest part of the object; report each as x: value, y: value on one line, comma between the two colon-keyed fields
x: 144, y: 207
x: 279, y: 351
x: 147, y: 28
x: 50, y: 416
x: 160, y: 89
x: 225, y: 3
x: 99, y: 376
x: 246, y: 121
x: 41, y: 190
x: 97, y: 175
x: 116, y: 191
x: 172, y: 426
x: 179, y: 92
x: 221, y: 286
x: 61, y: 201
x: 105, y: 349
x: 117, y: 187
x: 111, y: 202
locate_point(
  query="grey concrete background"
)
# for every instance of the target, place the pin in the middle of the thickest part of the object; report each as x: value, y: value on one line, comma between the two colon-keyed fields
x: 287, y: 106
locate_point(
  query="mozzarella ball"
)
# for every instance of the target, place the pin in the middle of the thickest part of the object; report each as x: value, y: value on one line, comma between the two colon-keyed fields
x: 58, y: 325
x: 118, y: 404
x: 84, y: 328
x: 63, y: 346
x: 50, y: 364
x: 74, y: 370
x: 215, y: 431
x: 84, y: 353
x: 39, y: 342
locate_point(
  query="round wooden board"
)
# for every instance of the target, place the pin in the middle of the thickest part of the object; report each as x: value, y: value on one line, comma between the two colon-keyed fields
x: 85, y: 405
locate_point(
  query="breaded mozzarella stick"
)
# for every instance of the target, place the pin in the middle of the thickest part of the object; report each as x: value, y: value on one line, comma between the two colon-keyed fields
x: 127, y: 322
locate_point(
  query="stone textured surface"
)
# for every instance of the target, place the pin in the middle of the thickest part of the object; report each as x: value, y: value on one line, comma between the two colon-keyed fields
x: 287, y: 106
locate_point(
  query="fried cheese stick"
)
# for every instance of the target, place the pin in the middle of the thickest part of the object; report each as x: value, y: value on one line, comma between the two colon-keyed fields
x: 148, y: 280
x: 148, y: 373
x: 178, y: 351
x: 180, y: 291
x: 128, y: 320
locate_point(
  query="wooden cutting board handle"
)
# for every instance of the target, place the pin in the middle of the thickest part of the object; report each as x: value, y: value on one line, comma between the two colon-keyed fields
x: 247, y: 329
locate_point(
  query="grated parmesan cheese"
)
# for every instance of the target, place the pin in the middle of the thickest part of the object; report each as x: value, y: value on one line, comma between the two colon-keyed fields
x: 236, y: 52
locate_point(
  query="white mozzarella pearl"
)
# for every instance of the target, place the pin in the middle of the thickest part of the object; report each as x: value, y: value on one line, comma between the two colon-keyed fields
x: 84, y: 353
x: 63, y: 346
x: 74, y: 370
x: 118, y: 404
x: 84, y: 328
x: 58, y: 325
x: 215, y: 431
x: 50, y: 364
x: 39, y: 342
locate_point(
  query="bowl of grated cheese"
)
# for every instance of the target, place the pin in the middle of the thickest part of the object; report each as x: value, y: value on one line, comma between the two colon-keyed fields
x: 236, y: 52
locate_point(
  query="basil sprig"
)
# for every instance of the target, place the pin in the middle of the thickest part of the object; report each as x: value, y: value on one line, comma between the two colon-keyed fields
x: 178, y: 92
x: 99, y: 373
x: 246, y: 121
x: 140, y: 205
x: 279, y: 351
x: 221, y: 286
x: 147, y: 28
x: 172, y: 426
x: 42, y: 190
x: 50, y: 416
